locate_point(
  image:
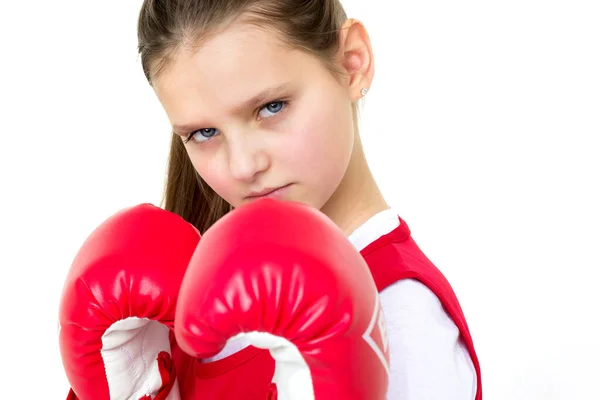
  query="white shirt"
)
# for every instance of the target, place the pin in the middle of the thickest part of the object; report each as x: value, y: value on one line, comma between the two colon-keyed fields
x: 428, y: 360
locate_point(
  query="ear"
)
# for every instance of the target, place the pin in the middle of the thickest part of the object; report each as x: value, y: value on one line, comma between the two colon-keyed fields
x: 356, y: 57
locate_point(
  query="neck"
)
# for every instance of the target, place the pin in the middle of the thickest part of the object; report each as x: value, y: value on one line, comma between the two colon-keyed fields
x: 358, y: 197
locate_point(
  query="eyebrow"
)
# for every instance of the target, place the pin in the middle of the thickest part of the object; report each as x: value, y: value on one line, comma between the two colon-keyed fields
x: 259, y: 99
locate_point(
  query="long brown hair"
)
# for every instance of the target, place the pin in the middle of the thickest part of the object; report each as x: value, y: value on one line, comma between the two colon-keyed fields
x: 164, y: 26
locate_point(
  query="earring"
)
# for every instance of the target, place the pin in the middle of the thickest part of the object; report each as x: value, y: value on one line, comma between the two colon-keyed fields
x: 364, y: 91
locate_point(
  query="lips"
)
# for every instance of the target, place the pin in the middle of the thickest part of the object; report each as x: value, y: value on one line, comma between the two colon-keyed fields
x: 268, y: 192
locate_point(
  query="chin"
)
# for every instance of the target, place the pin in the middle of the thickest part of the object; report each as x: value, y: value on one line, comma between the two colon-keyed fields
x: 311, y: 202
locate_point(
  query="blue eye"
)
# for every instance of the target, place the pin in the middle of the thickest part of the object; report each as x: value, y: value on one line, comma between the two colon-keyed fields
x: 272, y: 108
x: 201, y: 135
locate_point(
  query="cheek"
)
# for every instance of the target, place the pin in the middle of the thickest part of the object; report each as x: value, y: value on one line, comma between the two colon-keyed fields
x: 320, y: 147
x: 213, y: 173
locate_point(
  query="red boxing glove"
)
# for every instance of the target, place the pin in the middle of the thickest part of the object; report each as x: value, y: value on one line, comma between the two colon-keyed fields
x: 118, y: 304
x: 285, y: 277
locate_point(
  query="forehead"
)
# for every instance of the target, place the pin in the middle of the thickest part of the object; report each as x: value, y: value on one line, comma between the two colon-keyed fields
x: 231, y: 65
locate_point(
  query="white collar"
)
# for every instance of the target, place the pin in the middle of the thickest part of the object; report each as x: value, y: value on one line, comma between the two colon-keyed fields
x: 375, y: 227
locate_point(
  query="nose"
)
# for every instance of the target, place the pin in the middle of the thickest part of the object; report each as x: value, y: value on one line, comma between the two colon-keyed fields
x: 247, y: 158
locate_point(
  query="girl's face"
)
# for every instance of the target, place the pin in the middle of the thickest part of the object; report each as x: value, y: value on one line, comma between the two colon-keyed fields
x: 259, y: 118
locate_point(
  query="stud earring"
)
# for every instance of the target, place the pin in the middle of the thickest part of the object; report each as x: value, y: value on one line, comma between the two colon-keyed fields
x: 364, y: 91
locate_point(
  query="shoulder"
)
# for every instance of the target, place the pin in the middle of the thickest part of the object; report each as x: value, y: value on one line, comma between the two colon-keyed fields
x: 411, y: 307
x: 410, y: 295
x: 425, y: 346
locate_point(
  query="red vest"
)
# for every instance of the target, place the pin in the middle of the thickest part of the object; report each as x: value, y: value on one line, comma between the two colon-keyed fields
x: 247, y: 374
x: 396, y: 256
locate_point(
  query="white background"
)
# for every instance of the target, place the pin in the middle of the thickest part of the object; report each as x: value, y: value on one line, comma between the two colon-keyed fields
x: 481, y: 127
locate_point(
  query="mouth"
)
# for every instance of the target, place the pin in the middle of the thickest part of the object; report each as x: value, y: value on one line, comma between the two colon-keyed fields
x: 269, y: 193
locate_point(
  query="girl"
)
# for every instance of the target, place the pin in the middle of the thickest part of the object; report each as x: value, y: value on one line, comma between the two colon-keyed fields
x: 262, y: 96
